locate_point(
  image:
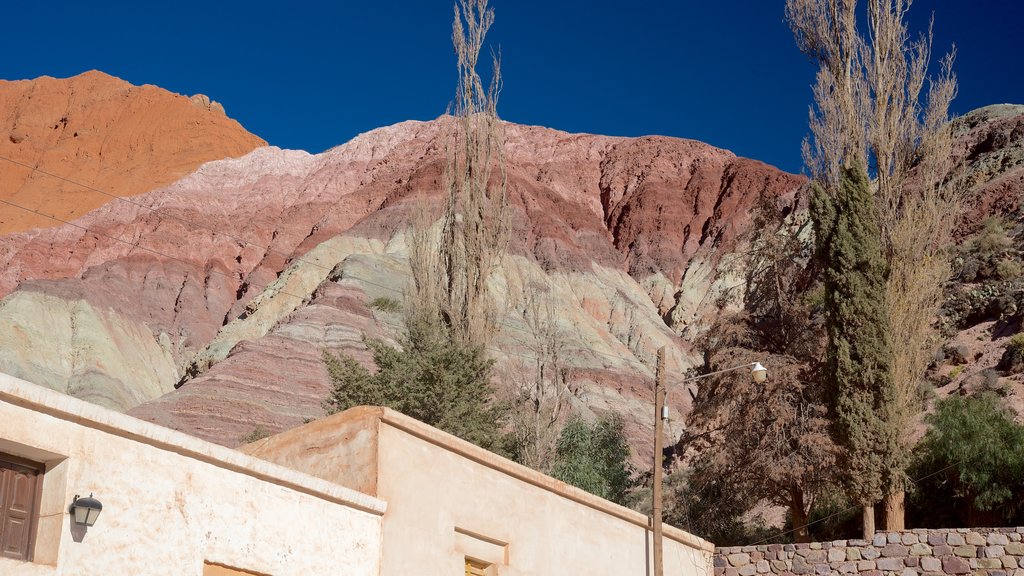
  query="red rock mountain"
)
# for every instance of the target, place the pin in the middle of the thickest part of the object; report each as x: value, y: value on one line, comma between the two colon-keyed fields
x: 234, y: 279
x: 103, y: 132
x: 205, y: 304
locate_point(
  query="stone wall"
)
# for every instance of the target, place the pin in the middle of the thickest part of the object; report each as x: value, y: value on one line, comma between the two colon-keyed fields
x: 978, y: 551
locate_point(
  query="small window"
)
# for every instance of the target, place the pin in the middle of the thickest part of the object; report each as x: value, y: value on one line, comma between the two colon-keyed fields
x: 477, y: 568
x: 20, y: 483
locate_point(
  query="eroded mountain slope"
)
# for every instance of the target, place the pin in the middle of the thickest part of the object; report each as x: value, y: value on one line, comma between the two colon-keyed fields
x: 245, y: 271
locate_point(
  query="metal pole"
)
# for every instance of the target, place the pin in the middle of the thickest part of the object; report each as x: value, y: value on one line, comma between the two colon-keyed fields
x: 659, y: 402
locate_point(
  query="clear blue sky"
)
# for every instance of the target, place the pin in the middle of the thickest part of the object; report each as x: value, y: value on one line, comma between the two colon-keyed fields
x: 312, y: 75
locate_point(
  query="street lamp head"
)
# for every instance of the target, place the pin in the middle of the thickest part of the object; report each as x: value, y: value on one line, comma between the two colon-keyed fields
x: 758, y: 372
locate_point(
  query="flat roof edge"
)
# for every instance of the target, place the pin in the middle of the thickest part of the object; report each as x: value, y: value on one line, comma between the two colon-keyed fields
x: 41, y: 399
x: 530, y: 476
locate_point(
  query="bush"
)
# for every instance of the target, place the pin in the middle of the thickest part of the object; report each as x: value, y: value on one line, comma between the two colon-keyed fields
x: 990, y: 382
x: 595, y: 457
x: 1016, y: 342
x: 431, y: 378
x: 834, y: 517
x: 1007, y: 269
x: 257, y: 433
x: 992, y: 240
x: 385, y: 304
x: 973, y: 455
x: 701, y: 502
x: 957, y: 354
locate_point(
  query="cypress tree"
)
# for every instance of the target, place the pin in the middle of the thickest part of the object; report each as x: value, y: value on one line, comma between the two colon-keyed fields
x: 859, y: 353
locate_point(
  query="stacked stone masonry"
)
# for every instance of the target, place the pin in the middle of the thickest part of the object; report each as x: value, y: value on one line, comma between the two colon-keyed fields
x: 976, y: 551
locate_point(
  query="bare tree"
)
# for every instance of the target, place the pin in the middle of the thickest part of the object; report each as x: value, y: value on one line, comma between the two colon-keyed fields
x: 540, y: 394
x: 767, y: 441
x: 871, y: 109
x: 826, y: 31
x: 474, y: 228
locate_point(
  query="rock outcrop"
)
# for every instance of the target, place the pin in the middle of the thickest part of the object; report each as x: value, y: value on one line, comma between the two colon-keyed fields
x: 103, y: 132
x: 990, y: 141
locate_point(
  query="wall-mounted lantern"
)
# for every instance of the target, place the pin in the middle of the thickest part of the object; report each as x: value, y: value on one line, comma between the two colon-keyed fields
x: 85, y: 511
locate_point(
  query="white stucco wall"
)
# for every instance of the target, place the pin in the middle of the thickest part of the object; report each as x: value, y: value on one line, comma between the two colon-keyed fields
x: 171, y: 502
x: 448, y: 500
x: 524, y: 527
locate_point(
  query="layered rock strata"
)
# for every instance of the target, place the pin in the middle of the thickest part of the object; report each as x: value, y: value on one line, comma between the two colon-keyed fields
x: 247, y: 270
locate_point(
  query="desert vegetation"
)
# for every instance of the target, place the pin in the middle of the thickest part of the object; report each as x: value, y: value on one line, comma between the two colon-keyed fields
x: 850, y: 314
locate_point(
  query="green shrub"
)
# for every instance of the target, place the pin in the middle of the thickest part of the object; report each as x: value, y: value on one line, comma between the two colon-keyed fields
x: 257, y: 433
x: 595, y: 457
x: 431, y: 378
x: 1016, y: 342
x: 385, y: 304
x: 973, y: 454
x: 701, y: 502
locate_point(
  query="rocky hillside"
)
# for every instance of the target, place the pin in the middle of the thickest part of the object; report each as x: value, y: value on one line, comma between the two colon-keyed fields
x: 984, y: 315
x: 231, y: 282
x: 205, y: 305
x: 103, y: 132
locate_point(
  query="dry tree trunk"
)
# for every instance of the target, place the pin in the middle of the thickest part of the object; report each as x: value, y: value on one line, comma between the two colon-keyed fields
x: 892, y: 508
x: 867, y: 522
x: 798, y: 513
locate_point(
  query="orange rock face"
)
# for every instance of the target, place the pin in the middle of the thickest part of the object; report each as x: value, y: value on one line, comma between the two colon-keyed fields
x: 103, y: 132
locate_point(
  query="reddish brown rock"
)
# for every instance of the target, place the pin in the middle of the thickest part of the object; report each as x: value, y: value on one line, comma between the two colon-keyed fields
x: 954, y: 565
x: 990, y: 144
x: 106, y: 133
x: 186, y: 259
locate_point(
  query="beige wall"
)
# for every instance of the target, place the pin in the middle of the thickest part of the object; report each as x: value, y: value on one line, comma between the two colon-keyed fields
x: 464, y: 507
x: 171, y: 502
x: 448, y: 500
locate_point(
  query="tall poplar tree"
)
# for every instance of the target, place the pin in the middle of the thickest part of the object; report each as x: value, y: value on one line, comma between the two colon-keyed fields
x: 875, y: 106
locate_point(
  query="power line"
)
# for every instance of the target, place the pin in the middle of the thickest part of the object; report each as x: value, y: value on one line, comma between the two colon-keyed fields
x: 851, y: 509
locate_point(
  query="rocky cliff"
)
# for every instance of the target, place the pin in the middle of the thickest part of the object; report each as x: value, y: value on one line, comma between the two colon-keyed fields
x: 106, y: 133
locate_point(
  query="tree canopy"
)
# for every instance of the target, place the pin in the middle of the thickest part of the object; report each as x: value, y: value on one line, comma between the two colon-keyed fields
x: 595, y: 457
x: 431, y: 377
x: 974, y: 452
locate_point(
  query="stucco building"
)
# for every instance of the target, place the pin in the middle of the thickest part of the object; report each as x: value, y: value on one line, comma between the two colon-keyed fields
x: 453, y: 506
x: 173, y: 505
x: 366, y: 492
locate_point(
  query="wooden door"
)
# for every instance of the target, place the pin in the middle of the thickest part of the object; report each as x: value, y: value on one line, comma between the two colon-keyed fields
x: 19, y: 488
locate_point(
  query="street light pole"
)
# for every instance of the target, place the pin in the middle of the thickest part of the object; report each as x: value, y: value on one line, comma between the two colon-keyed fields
x: 757, y: 372
x: 659, y: 428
